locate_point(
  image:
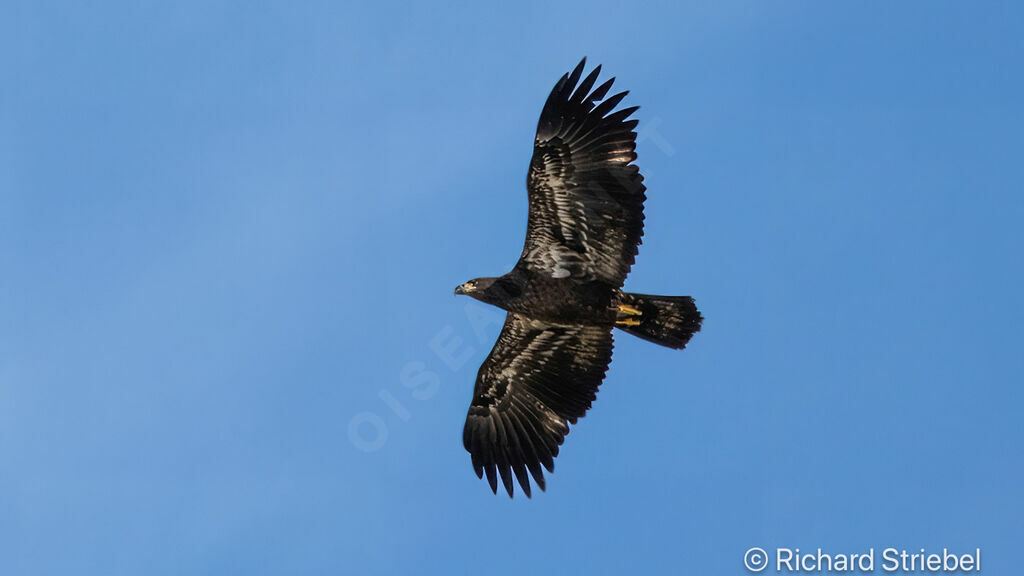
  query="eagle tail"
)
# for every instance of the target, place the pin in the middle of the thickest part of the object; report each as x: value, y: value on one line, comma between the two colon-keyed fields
x: 666, y: 320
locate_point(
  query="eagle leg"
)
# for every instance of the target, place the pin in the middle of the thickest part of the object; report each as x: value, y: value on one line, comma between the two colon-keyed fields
x: 629, y: 310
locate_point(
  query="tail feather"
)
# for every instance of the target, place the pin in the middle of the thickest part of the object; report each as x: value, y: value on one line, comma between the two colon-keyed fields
x: 667, y: 320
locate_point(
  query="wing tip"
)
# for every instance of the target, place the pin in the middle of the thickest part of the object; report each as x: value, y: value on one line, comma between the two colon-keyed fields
x: 574, y: 77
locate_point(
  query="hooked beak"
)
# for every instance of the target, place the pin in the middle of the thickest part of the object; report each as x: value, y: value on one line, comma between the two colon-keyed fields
x: 463, y: 289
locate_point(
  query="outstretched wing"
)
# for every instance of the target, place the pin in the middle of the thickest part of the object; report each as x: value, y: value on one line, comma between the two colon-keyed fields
x: 538, y: 379
x: 586, y: 198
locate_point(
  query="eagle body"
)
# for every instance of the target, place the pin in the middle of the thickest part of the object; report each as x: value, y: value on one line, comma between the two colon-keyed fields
x: 564, y: 297
x: 556, y: 300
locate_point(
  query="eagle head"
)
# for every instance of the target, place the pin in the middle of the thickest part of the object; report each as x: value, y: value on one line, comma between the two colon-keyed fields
x: 497, y: 291
x: 475, y: 287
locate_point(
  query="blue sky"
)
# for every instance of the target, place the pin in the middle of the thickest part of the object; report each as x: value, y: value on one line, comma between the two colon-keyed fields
x: 230, y: 230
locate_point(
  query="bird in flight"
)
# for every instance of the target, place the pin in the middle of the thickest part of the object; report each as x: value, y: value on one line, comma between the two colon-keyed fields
x: 564, y: 296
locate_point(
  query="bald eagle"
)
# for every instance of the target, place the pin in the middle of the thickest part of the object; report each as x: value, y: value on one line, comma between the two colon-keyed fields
x: 564, y: 297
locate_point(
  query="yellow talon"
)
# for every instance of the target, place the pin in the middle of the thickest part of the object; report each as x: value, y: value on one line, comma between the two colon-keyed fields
x: 628, y: 322
x: 629, y: 310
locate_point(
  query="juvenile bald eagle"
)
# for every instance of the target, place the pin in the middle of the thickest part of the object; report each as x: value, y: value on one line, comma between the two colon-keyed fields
x: 564, y: 295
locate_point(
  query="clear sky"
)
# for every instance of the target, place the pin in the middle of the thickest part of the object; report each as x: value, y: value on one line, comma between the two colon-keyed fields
x: 229, y: 235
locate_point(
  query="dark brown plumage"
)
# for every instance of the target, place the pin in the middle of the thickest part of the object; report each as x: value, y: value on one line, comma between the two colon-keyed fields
x: 564, y: 295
